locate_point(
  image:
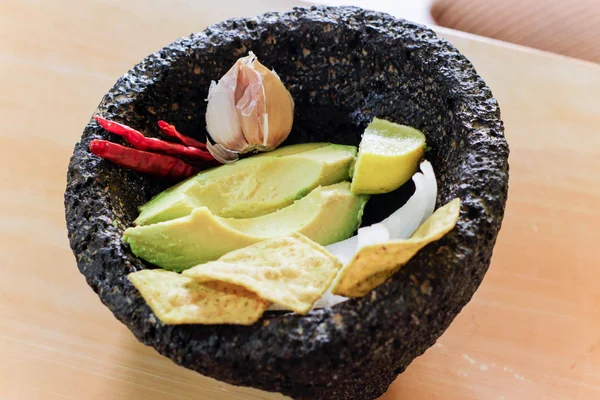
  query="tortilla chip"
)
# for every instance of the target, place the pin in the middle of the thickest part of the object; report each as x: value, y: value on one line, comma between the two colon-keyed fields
x: 177, y: 299
x: 292, y: 271
x: 375, y: 264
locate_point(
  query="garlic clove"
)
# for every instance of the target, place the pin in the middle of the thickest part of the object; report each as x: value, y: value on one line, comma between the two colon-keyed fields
x: 279, y: 108
x: 221, y: 153
x: 222, y: 121
x: 250, y: 104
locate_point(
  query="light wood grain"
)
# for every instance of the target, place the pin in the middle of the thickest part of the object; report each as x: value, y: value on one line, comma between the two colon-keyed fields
x: 530, y: 332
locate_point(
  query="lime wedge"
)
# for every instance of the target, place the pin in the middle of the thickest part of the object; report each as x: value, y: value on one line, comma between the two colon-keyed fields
x: 388, y: 156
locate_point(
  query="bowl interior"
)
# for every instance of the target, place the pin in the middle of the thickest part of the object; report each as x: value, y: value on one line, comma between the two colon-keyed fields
x: 339, y: 82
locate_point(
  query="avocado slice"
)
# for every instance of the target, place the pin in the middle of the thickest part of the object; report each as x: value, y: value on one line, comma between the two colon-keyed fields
x: 326, y: 215
x: 253, y: 186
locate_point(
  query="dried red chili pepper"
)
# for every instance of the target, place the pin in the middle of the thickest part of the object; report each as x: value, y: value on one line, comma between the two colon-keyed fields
x: 171, y: 131
x: 141, y: 142
x: 159, y: 165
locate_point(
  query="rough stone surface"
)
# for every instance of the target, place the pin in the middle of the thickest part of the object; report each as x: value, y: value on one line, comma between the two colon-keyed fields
x: 343, y: 66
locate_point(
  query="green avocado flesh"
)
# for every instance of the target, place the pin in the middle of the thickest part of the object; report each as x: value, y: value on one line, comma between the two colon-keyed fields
x: 254, y: 186
x: 326, y: 215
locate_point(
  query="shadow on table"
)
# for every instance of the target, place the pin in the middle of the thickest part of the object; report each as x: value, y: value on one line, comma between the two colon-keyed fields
x: 148, y: 375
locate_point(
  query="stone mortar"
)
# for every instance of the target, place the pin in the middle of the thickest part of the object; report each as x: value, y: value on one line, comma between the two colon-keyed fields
x: 343, y: 66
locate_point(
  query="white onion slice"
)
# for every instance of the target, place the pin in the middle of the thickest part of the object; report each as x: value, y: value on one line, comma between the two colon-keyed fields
x: 374, y: 234
x: 329, y: 300
x: 400, y: 225
x: 431, y: 186
x: 344, y: 250
x: 403, y: 222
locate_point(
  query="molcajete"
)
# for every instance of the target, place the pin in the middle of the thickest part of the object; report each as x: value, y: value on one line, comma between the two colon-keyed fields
x: 343, y: 66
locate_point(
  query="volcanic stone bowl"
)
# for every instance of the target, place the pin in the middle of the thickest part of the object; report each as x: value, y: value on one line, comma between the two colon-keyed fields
x: 343, y: 66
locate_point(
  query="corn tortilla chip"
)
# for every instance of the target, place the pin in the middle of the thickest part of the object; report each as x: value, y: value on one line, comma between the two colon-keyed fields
x: 177, y: 299
x: 374, y: 264
x: 292, y: 271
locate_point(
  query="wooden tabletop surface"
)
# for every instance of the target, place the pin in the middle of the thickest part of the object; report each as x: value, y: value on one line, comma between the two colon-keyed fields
x: 532, y: 331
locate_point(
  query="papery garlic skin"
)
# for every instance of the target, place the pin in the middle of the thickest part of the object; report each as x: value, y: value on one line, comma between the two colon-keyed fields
x: 221, y: 118
x: 249, y: 109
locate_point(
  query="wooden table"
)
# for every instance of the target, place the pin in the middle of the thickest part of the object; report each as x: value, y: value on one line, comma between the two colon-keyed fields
x: 532, y: 331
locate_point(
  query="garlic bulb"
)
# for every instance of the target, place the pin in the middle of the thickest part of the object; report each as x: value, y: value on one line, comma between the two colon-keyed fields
x: 249, y: 109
